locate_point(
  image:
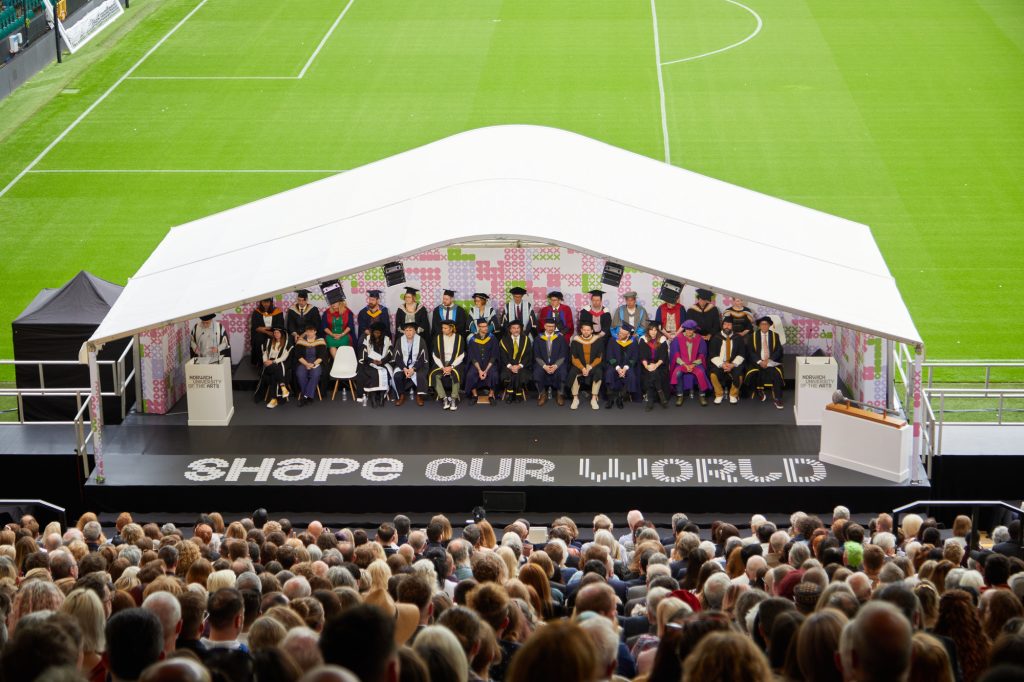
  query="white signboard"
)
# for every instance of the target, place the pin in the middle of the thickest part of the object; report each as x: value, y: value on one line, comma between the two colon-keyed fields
x: 86, y: 28
x: 208, y: 385
x: 816, y: 380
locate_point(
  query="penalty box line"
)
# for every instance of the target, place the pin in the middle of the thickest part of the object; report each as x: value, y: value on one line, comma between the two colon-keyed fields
x: 300, y: 76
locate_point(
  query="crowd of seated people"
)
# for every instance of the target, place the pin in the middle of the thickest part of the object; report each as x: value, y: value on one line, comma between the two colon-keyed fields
x: 259, y: 599
x: 700, y: 353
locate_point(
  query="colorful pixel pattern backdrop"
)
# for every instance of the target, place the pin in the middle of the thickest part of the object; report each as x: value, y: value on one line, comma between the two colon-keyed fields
x: 494, y: 271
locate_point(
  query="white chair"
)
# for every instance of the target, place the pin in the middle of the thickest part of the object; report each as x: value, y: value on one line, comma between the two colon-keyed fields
x: 344, y: 368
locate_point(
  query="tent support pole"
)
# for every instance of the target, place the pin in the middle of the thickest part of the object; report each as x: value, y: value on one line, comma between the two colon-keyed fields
x: 137, y: 366
x: 918, y: 417
x: 96, y: 409
x: 890, y: 374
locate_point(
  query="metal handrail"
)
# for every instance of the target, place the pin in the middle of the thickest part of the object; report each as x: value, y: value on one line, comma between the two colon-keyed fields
x: 987, y: 365
x: 974, y: 505
x: 59, y: 511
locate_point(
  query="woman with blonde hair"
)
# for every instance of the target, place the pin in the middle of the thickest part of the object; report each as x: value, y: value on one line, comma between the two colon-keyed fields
x: 128, y: 580
x: 442, y: 653
x: 34, y: 595
x: 608, y: 541
x: 266, y: 632
x: 235, y: 531
x: 508, y: 557
x: 378, y: 574
x: 87, y: 609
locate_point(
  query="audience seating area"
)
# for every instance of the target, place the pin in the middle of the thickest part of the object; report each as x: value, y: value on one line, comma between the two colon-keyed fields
x: 585, y: 599
x: 12, y: 19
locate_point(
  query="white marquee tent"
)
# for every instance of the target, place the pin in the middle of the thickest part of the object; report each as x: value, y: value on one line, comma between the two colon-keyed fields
x: 521, y: 182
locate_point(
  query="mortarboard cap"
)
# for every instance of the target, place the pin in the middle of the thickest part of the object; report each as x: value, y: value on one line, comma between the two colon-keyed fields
x: 481, y: 295
x: 765, y: 318
x: 482, y: 320
x: 449, y: 292
x: 584, y: 323
x: 517, y: 291
x: 596, y: 292
x: 727, y: 318
x: 556, y: 294
x: 412, y: 290
x: 449, y: 323
x: 378, y: 327
x: 373, y: 293
x: 207, y: 318
x: 515, y: 322
x: 628, y: 327
x: 407, y: 324
x: 550, y: 320
x: 705, y: 294
x: 302, y: 293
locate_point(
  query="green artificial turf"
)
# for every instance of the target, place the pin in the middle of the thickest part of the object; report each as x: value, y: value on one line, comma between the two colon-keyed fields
x: 904, y: 116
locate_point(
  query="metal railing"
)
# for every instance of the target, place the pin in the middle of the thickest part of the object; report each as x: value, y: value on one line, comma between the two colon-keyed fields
x: 81, y: 422
x: 973, y: 505
x: 41, y: 509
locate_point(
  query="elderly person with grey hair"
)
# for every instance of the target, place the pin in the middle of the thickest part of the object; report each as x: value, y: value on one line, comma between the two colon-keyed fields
x: 840, y: 512
x: 167, y: 609
x: 714, y: 590
x: 249, y: 581
x: 296, y: 588
x: 887, y: 541
x: 92, y: 533
x: 798, y: 554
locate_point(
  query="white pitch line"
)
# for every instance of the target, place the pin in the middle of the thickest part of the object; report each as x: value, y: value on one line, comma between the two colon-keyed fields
x: 323, y: 41
x: 99, y: 100
x: 184, y: 170
x: 661, y: 85
x: 757, y: 29
x: 214, y: 78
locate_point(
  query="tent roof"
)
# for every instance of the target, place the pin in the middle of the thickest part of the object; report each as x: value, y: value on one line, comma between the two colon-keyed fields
x: 85, y: 300
x: 521, y: 182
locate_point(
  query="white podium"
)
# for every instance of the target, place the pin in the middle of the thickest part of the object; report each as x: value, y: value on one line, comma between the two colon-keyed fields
x: 816, y: 380
x: 208, y: 385
x: 861, y: 440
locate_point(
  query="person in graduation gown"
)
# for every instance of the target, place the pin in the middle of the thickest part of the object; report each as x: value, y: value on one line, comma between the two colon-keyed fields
x: 338, y: 326
x: 764, y: 362
x: 265, y: 316
x: 410, y: 372
x: 516, y: 362
x: 209, y: 339
x: 550, y: 363
x: 275, y: 371
x: 630, y: 313
x: 303, y: 314
x: 585, y: 357
x: 448, y: 310
x: 707, y: 316
x: 310, y: 355
x: 669, y: 318
x: 620, y: 375
x: 482, y: 360
x: 375, y: 359
x: 482, y: 309
x: 371, y: 313
x: 726, y: 354
x: 412, y: 310
x: 598, y: 317
x: 519, y: 309
x: 688, y: 358
x: 561, y: 314
x: 742, y: 318
x: 652, y: 353
x: 448, y: 351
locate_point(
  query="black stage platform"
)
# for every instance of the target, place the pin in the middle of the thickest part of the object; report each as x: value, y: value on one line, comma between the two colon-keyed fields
x: 338, y: 456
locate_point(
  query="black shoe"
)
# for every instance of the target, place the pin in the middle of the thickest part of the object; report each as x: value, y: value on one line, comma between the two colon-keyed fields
x: 663, y: 400
x: 648, y: 405
x: 256, y: 396
x: 609, y: 401
x: 679, y: 400
x: 618, y: 402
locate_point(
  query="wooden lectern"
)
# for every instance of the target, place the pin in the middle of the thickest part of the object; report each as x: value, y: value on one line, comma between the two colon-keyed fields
x: 871, y: 443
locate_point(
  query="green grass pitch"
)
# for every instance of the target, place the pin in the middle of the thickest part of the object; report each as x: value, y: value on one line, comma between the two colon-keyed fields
x: 906, y: 116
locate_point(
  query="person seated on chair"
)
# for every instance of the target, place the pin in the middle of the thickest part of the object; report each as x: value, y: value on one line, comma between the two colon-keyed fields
x: 705, y: 314
x: 764, y: 358
x: 482, y: 309
x: 669, y: 319
x: 449, y: 353
x: 549, y: 367
x: 560, y: 313
x: 265, y: 316
x: 375, y: 358
x: 653, y: 355
x: 598, y: 317
x: 516, y: 357
x: 209, y: 340
x: 620, y: 375
x: 339, y: 324
x: 412, y: 310
x: 410, y: 364
x: 630, y: 313
x: 519, y: 309
x: 373, y: 312
x: 726, y: 353
x: 482, y: 360
x: 303, y: 314
x: 742, y: 318
x: 311, y: 353
x: 276, y: 369
x: 585, y: 355
x: 688, y: 356
x: 449, y: 311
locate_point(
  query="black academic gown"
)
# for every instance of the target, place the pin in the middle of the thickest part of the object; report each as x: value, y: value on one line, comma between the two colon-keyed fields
x: 511, y: 355
x: 256, y: 339
x: 601, y: 323
x: 621, y: 355
x: 709, y: 320
x: 577, y: 360
x: 768, y: 377
x: 365, y: 318
x: 420, y: 317
x: 742, y: 320
x: 557, y: 354
x: 458, y: 349
x: 657, y: 379
x: 418, y: 362
x: 461, y: 321
x: 481, y: 354
x: 367, y: 376
x: 297, y: 321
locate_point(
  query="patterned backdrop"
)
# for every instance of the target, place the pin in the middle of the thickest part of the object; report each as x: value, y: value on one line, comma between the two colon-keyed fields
x: 494, y: 271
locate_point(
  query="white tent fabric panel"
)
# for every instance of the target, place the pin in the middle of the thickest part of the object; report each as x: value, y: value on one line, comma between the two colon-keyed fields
x: 527, y: 182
